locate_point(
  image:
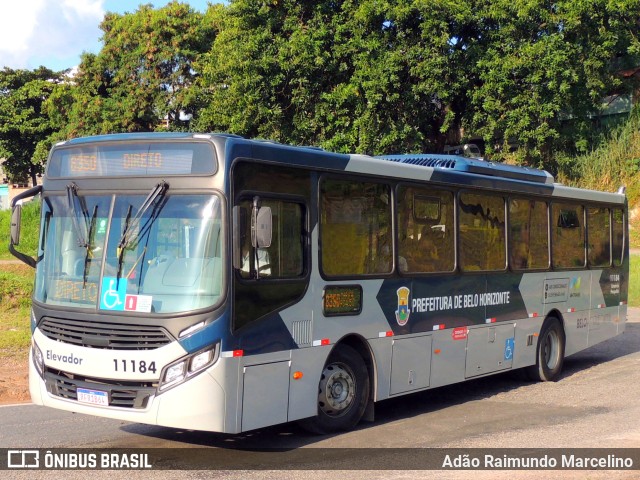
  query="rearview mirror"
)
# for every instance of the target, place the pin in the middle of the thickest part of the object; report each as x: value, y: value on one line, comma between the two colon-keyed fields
x: 16, y: 217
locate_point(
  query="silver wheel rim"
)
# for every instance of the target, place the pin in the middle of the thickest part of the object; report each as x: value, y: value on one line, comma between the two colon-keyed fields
x: 337, y: 389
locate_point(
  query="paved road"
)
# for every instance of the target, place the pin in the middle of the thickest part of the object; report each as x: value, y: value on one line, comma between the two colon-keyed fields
x: 595, y: 404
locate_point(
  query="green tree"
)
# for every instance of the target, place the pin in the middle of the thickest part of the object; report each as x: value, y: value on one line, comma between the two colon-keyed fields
x: 347, y: 75
x: 371, y: 76
x: 389, y: 75
x: 23, y: 122
x: 259, y: 78
x: 545, y: 68
x: 141, y: 78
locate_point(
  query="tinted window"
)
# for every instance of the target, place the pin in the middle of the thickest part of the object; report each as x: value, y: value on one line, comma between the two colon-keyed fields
x: 618, y: 236
x: 529, y: 234
x: 355, y: 228
x: 567, y: 235
x: 281, y: 267
x: 482, y: 232
x: 284, y: 258
x: 599, y: 234
x: 425, y: 230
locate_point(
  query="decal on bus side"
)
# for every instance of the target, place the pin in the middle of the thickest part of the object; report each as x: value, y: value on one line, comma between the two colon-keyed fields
x: 403, y: 312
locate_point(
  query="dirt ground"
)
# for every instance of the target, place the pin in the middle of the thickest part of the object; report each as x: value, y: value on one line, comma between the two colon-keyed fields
x: 14, y: 366
x: 14, y: 382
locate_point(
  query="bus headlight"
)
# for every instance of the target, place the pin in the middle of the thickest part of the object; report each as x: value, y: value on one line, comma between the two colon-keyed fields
x: 199, y: 361
x: 38, y: 359
x: 187, y: 367
x: 174, y: 374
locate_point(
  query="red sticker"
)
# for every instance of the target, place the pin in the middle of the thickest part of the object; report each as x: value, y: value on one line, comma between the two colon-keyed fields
x: 459, y: 333
x: 131, y: 303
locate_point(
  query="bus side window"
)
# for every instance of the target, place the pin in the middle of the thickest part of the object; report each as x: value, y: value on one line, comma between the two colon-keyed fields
x: 567, y: 238
x: 618, y: 236
x: 482, y: 232
x: 355, y: 228
x: 599, y: 235
x: 425, y: 230
x: 528, y: 233
x: 284, y: 258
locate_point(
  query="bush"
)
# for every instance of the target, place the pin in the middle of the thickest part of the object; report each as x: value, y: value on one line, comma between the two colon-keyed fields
x: 615, y: 162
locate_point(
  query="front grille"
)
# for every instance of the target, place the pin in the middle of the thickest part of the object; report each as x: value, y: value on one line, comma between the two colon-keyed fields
x: 115, y: 336
x: 121, y: 394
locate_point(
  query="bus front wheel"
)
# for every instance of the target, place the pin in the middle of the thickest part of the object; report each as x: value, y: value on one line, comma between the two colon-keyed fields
x: 549, y: 353
x: 343, y: 392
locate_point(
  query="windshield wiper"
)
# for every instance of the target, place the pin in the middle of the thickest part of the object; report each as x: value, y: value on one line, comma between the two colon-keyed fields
x: 89, y: 254
x: 72, y: 196
x: 131, y: 226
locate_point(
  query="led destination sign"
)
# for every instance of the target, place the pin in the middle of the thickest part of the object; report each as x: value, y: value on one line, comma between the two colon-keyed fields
x: 342, y: 300
x: 152, y: 161
x: 132, y: 159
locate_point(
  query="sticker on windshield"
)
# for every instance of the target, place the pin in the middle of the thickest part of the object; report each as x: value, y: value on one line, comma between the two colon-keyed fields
x: 113, y: 293
x: 138, y: 303
x: 102, y: 226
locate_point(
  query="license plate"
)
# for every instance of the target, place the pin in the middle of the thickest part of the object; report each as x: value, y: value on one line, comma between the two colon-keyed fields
x: 93, y: 397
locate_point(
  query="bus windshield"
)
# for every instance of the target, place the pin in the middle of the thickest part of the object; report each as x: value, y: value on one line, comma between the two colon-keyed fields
x: 170, y: 262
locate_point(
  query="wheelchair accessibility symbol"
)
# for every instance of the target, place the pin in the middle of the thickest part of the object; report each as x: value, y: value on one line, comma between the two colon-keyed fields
x: 509, y: 345
x: 113, y: 293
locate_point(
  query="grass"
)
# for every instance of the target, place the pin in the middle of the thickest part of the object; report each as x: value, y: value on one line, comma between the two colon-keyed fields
x: 16, y: 284
x: 612, y: 163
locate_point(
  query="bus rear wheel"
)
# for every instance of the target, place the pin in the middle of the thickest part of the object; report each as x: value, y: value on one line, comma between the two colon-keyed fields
x: 343, y: 392
x: 549, y: 353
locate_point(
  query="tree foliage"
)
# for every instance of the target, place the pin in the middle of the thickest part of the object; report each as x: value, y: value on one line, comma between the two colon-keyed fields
x: 23, y: 123
x: 547, y: 66
x: 378, y: 76
x: 141, y: 79
x: 365, y: 76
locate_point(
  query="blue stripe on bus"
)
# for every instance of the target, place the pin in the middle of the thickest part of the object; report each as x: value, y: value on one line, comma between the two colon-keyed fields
x: 267, y: 335
x: 210, y: 334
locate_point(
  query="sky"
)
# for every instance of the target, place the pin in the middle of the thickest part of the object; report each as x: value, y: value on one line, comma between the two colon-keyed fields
x: 54, y: 33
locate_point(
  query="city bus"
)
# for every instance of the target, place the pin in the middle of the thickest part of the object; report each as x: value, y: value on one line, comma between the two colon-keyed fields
x: 217, y: 283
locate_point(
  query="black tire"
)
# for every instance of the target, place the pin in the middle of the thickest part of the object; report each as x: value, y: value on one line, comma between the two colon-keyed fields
x: 343, y: 393
x: 549, y: 352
